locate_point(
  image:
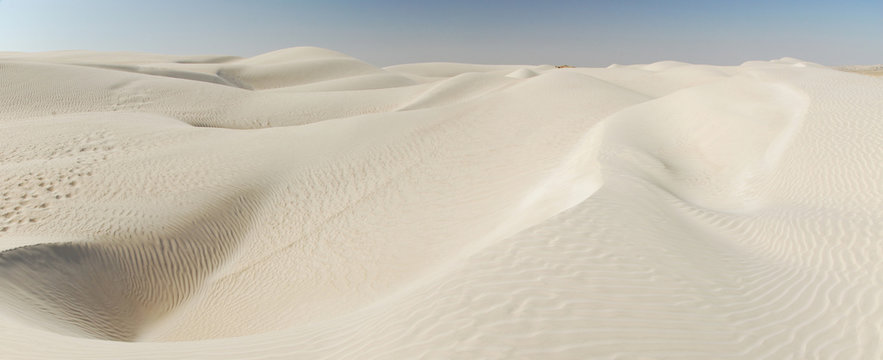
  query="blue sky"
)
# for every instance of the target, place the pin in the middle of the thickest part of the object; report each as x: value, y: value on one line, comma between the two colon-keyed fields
x: 385, y: 32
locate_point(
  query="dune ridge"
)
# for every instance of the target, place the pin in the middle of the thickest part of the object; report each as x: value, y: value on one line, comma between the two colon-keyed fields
x: 305, y: 204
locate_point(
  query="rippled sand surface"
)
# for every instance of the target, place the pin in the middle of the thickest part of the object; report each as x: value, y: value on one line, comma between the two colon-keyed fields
x: 303, y: 204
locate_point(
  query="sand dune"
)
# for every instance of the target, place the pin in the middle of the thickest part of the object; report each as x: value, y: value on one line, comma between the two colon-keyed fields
x: 303, y: 204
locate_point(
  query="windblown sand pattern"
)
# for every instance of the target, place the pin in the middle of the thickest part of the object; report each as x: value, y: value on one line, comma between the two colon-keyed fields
x: 303, y: 204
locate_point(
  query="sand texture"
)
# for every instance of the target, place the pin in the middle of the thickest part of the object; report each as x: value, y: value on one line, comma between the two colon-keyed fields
x: 303, y: 204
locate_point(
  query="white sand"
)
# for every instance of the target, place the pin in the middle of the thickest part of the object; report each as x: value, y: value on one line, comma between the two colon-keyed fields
x: 303, y: 204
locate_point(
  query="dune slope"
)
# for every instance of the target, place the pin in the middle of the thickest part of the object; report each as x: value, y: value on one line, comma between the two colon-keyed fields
x: 303, y: 204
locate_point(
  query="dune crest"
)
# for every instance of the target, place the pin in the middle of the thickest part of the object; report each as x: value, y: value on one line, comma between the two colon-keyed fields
x: 303, y: 204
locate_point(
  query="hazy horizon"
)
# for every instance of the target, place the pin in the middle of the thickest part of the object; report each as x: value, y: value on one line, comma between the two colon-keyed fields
x: 583, y: 33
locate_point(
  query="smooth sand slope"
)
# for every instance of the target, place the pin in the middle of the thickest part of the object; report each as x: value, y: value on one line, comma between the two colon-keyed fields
x: 303, y: 204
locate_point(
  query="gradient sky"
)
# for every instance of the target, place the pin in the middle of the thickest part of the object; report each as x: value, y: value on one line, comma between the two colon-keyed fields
x: 386, y: 32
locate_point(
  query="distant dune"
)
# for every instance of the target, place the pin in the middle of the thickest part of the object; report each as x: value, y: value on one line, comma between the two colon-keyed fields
x: 873, y: 70
x: 303, y: 204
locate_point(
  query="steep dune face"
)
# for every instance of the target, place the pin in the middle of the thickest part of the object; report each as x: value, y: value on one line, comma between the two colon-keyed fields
x: 717, y: 152
x: 315, y: 206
